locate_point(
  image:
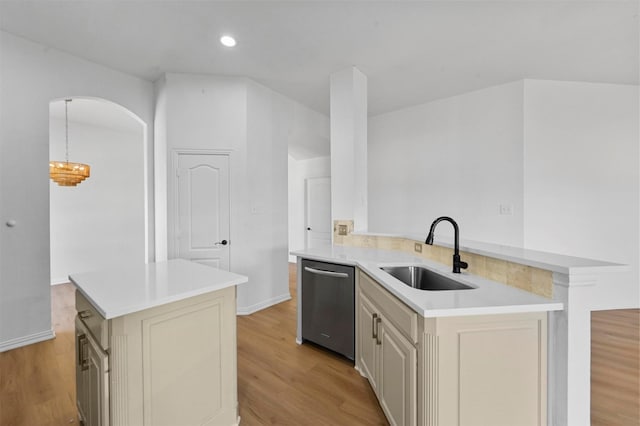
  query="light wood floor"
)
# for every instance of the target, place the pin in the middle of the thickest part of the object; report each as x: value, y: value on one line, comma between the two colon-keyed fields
x: 280, y: 382
x: 37, y: 382
x: 615, y: 367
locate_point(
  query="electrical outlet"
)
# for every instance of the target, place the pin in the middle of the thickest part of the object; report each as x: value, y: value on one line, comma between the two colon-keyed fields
x: 506, y: 209
x: 342, y: 229
x: 417, y: 247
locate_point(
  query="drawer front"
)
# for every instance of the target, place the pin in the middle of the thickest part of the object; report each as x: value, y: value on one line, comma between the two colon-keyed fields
x: 400, y: 315
x: 97, y: 325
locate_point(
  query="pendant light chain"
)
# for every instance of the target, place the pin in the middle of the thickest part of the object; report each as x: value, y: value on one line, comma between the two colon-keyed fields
x: 66, y: 130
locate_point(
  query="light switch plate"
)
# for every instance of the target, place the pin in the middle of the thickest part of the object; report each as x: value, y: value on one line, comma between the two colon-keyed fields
x: 417, y: 247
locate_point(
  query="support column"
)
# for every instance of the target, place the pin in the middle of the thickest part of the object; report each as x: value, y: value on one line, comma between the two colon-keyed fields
x: 349, y: 147
x: 569, y: 398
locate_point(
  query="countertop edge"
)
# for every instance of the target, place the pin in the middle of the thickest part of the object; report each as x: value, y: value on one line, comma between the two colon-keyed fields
x: 89, y: 298
x: 90, y: 284
x: 324, y: 258
x: 561, y: 265
x: 493, y: 310
x: 130, y: 309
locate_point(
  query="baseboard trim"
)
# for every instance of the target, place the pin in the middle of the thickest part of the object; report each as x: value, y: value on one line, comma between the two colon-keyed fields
x: 360, y: 371
x: 248, y: 310
x: 27, y: 340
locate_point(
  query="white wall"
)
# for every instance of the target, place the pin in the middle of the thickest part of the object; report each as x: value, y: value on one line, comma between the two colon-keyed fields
x: 581, y: 190
x: 255, y: 125
x: 458, y: 157
x: 197, y: 112
x: 309, y: 137
x: 100, y: 222
x: 299, y: 171
x: 563, y: 154
x: 269, y: 120
x: 203, y: 112
x: 31, y: 76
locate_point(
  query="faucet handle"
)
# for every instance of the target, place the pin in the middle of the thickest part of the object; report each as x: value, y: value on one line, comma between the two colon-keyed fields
x: 457, y: 264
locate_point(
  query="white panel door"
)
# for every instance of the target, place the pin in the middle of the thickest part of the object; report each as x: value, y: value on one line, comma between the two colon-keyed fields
x: 318, y: 212
x: 202, y: 231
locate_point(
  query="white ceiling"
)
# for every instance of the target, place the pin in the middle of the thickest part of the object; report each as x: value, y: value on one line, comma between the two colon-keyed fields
x: 412, y: 52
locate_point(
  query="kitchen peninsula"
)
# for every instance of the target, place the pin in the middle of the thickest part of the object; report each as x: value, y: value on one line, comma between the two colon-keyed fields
x: 156, y: 345
x: 431, y: 327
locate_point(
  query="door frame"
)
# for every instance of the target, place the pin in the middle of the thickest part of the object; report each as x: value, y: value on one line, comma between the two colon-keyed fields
x: 306, y: 209
x: 172, y: 202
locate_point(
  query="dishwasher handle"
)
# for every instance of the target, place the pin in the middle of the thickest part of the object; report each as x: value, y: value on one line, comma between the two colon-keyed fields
x: 326, y: 273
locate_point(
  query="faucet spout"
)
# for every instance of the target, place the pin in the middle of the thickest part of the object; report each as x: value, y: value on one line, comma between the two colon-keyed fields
x: 457, y: 263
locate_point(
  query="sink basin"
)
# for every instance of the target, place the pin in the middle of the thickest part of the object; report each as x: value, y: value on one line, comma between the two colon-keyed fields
x: 424, y: 279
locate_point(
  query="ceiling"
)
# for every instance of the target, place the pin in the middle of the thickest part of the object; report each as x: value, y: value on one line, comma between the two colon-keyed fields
x: 412, y: 52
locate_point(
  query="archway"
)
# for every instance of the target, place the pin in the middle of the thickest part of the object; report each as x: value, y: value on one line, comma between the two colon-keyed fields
x: 103, y: 221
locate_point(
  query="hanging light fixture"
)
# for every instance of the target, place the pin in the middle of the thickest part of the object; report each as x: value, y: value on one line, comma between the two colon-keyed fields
x: 65, y: 173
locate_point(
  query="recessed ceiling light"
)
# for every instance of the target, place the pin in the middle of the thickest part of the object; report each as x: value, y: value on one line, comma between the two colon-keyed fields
x: 228, y: 41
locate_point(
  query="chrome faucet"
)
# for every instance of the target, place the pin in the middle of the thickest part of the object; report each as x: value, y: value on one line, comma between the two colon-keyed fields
x: 457, y: 263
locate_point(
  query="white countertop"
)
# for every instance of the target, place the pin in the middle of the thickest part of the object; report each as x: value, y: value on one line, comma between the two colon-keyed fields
x: 488, y: 297
x: 131, y: 288
x: 561, y: 263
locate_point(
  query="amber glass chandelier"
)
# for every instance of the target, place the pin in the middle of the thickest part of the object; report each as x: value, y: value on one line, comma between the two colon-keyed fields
x: 65, y: 173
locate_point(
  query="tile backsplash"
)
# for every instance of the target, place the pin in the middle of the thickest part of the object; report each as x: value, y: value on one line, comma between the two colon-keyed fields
x: 533, y: 280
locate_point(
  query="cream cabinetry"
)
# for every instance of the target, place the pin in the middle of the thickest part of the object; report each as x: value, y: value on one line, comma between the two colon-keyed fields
x: 466, y: 370
x: 386, y: 350
x: 173, y: 364
x: 367, y: 343
x: 92, y: 378
x: 483, y: 370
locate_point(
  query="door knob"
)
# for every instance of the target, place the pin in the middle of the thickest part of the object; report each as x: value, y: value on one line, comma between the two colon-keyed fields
x: 222, y: 243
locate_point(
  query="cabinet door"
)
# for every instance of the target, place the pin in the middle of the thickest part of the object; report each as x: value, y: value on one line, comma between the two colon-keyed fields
x: 492, y: 370
x: 92, y: 379
x: 397, y: 376
x: 82, y: 388
x: 367, y: 347
x: 189, y: 363
x: 98, y: 385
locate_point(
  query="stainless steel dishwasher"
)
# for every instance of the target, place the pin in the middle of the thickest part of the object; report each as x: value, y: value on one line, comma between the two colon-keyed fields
x: 328, y: 300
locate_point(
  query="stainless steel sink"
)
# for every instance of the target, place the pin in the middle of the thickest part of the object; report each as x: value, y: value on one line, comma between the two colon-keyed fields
x: 424, y: 279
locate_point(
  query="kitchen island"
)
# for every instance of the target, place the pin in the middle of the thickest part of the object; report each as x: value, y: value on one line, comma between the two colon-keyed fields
x: 156, y: 345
